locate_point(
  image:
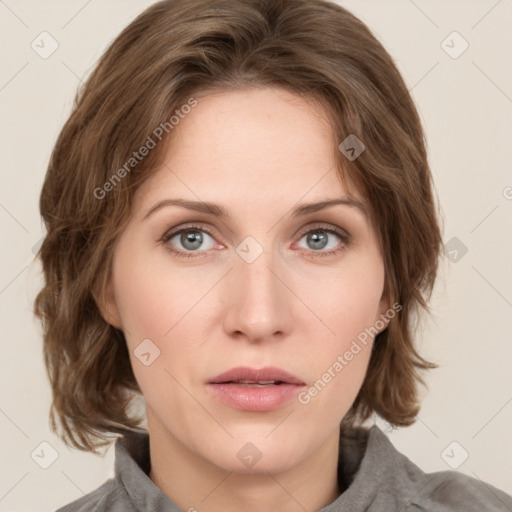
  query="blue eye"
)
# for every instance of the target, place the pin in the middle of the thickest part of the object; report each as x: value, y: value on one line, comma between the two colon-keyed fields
x: 195, y: 241
x: 318, y: 240
x: 191, y: 239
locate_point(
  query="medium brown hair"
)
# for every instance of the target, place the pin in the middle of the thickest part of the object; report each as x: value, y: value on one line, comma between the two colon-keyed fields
x: 170, y: 52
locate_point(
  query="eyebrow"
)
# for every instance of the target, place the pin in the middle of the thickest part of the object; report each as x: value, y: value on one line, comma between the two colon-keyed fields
x: 219, y: 211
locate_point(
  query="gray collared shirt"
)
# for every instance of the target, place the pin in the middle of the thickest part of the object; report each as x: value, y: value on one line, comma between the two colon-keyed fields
x: 376, y: 478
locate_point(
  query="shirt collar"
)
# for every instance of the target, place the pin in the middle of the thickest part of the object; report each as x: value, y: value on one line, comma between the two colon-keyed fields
x: 132, y: 465
x: 367, y: 460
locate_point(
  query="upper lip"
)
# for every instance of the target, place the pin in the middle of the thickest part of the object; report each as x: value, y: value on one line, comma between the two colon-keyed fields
x: 245, y: 373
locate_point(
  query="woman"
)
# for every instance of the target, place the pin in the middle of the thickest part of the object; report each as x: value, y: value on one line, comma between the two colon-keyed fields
x: 240, y: 227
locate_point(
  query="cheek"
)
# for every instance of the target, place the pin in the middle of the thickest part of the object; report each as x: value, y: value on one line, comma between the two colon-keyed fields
x: 151, y: 299
x: 351, y: 298
x: 349, y: 308
x: 340, y: 358
x: 166, y: 307
x: 153, y: 309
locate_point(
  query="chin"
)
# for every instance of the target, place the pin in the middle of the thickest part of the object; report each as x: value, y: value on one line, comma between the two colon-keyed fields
x: 257, y: 452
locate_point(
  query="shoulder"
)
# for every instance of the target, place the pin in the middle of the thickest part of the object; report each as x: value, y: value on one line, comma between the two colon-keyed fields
x: 107, y: 498
x: 451, y: 491
x: 400, y: 481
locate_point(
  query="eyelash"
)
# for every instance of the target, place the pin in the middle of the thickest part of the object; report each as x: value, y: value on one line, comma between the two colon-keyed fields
x: 343, y: 236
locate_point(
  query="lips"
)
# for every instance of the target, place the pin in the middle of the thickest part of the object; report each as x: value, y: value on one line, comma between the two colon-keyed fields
x: 267, y: 376
x: 255, y: 390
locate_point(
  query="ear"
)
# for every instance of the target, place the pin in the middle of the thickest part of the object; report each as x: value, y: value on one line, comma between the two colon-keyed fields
x: 106, y: 301
x: 384, y: 306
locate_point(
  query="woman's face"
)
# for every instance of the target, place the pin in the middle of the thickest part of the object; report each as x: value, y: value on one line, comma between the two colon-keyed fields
x: 268, y: 284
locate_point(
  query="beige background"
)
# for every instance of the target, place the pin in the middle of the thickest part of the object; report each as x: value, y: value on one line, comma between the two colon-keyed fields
x: 466, y: 106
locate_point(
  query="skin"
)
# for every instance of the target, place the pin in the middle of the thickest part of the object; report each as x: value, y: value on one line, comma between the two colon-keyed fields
x: 257, y: 152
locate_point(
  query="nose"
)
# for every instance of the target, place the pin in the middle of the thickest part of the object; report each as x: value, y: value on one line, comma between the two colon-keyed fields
x: 259, y: 304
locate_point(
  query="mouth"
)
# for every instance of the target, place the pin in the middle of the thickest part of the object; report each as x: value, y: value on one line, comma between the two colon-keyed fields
x: 267, y: 376
x: 256, y: 390
x: 253, y: 384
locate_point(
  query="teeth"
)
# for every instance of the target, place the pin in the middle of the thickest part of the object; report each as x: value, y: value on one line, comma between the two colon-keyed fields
x: 252, y: 383
x: 256, y: 381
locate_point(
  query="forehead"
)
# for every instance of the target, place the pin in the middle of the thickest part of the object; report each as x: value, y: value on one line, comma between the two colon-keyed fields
x: 261, y: 144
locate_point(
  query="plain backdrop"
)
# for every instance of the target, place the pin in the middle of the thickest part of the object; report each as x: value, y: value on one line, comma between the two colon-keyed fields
x: 455, y: 58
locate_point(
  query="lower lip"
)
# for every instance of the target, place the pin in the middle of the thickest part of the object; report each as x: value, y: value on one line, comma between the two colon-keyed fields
x: 256, y: 399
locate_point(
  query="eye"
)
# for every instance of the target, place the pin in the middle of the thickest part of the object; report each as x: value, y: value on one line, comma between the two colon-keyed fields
x: 325, y: 237
x: 192, y: 241
x: 188, y: 239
